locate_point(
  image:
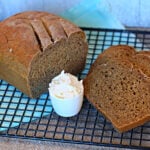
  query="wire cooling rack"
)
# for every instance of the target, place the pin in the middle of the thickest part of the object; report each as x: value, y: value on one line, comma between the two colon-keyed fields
x: 22, y: 117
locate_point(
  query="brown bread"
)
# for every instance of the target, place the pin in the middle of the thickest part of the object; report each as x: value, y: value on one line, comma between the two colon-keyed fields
x: 35, y: 47
x: 118, y: 85
x: 126, y: 52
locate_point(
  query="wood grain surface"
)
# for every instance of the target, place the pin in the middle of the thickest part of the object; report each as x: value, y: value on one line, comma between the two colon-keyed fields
x: 23, y: 144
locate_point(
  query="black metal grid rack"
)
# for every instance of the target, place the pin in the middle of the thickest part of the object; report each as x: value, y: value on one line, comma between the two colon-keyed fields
x: 22, y: 117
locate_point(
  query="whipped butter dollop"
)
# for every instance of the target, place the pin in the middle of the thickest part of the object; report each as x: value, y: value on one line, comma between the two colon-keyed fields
x: 65, y: 86
x: 66, y: 94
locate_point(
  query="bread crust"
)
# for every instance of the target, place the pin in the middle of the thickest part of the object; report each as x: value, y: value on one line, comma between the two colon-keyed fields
x: 26, y: 36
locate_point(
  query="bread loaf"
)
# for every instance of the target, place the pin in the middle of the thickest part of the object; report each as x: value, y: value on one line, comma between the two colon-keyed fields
x: 118, y: 85
x: 35, y: 47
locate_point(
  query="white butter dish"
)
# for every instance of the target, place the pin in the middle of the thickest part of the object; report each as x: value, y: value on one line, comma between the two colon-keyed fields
x: 66, y: 94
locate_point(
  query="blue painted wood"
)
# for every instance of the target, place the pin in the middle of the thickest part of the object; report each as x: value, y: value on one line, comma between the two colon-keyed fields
x: 85, y: 13
x: 128, y: 12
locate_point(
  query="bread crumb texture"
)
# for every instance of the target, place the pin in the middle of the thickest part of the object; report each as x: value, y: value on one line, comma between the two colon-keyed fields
x: 118, y: 85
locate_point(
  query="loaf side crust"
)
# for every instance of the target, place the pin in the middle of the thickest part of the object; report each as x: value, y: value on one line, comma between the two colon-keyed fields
x: 27, y: 36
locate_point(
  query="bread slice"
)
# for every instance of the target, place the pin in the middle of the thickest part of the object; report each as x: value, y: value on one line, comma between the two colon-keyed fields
x: 36, y: 46
x: 122, y: 51
x: 126, y: 52
x: 120, y: 88
x: 142, y: 60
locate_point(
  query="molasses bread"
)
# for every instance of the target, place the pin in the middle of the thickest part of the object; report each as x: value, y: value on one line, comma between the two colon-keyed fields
x: 118, y: 85
x: 37, y: 46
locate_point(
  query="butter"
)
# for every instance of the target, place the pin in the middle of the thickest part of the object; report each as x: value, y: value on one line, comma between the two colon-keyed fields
x: 66, y: 94
x: 65, y: 86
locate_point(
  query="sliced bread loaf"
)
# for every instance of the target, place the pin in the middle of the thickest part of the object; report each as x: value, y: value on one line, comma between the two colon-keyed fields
x: 119, y: 87
x: 35, y: 47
